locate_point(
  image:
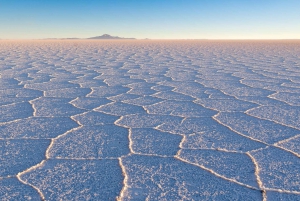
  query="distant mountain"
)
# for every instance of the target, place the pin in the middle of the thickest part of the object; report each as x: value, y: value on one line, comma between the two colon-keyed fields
x: 107, y: 36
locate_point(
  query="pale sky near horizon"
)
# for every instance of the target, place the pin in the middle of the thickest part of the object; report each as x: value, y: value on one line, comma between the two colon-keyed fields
x: 156, y: 19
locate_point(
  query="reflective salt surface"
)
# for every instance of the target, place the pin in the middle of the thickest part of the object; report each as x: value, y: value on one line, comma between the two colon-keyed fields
x: 149, y: 120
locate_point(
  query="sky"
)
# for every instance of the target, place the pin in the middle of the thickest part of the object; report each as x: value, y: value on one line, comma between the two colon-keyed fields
x: 155, y: 19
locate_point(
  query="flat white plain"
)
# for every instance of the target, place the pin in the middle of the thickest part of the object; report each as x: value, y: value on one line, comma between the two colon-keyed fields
x: 149, y: 120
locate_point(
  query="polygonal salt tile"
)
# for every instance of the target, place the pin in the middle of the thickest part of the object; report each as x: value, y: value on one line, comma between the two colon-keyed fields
x: 86, y: 77
x: 142, y: 101
x: 107, y: 91
x: 95, y: 118
x: 15, y: 111
x: 205, y: 133
x: 192, y: 92
x: 262, y: 101
x: 279, y: 169
x: 4, y: 100
x: 220, y: 139
x: 280, y: 88
x: 189, y: 86
x: 191, y: 125
x: 120, y: 109
x: 89, y: 103
x: 218, y: 77
x: 146, y: 120
x: 225, y: 105
x: 157, y: 178
x: 162, y: 88
x: 37, y: 127
x: 55, y: 107
x: 217, y: 94
x: 77, y: 180
x: 24, y: 93
x: 89, y: 83
x: 151, y: 141
x: 19, y: 155
x: 68, y: 92
x: 260, y: 129
x: 258, y: 83
x: 181, y: 75
x: 153, y: 79
x: 292, y: 144
x: 179, y: 108
x: 50, y: 85
x: 248, y: 75
x: 13, y: 189
x: 289, y: 98
x: 142, y: 91
x: 231, y: 165
x: 222, y: 84
x: 287, y: 115
x: 37, y: 78
x: 9, y: 83
x: 112, y: 73
x: 123, y: 97
x: 246, y: 91
x: 92, y: 142
x: 140, y: 85
x: 121, y: 81
x: 171, y: 95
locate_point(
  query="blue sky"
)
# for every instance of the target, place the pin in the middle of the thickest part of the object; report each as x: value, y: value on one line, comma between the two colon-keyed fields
x: 157, y: 19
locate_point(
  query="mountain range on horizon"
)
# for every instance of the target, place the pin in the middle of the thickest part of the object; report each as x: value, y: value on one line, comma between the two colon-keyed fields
x: 107, y: 36
x: 104, y: 36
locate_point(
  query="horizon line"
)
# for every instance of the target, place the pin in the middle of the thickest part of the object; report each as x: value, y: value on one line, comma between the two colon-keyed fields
x: 150, y: 39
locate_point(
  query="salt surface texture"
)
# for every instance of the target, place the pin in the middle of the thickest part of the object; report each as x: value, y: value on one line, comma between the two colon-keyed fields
x: 149, y: 120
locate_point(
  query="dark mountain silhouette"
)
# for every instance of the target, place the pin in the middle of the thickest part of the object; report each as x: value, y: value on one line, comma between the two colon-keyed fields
x: 107, y: 36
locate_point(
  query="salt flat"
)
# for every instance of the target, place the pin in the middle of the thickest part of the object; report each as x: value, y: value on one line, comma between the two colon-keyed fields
x: 149, y: 120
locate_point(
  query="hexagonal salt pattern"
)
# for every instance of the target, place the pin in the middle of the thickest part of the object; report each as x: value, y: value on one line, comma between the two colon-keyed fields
x: 149, y: 120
